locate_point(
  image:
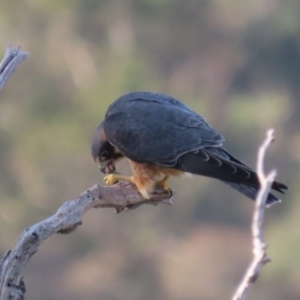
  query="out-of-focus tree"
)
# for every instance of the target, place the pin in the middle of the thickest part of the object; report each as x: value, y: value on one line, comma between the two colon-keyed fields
x: 236, y: 63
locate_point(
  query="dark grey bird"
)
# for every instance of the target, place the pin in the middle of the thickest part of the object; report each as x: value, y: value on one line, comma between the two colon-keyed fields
x: 162, y: 137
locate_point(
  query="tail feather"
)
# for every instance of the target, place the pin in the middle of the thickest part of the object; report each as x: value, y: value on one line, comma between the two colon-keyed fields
x: 217, y: 163
x: 252, y: 191
x: 277, y: 186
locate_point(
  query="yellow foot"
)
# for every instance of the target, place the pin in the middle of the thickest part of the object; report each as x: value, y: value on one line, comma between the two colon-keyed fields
x: 111, y: 179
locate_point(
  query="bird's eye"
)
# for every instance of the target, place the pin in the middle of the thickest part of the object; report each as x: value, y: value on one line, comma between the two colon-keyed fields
x: 104, y: 155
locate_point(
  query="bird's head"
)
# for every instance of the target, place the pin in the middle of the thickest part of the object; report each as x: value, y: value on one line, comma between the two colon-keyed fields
x: 103, y: 152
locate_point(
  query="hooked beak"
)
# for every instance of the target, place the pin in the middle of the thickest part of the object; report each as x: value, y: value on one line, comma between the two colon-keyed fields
x: 107, y: 167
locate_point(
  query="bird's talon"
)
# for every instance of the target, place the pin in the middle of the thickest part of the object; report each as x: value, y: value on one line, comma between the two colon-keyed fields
x: 163, y: 185
x: 168, y: 191
x: 110, y: 179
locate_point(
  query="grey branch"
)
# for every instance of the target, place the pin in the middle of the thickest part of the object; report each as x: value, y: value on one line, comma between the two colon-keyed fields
x: 259, y: 246
x: 122, y: 196
x: 10, y: 61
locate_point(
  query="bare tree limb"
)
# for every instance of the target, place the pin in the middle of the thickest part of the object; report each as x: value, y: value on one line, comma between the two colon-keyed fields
x: 259, y: 246
x: 122, y: 196
x: 10, y: 61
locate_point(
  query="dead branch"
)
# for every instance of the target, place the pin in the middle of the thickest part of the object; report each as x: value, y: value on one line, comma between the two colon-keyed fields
x: 259, y: 246
x: 11, y: 59
x: 122, y: 196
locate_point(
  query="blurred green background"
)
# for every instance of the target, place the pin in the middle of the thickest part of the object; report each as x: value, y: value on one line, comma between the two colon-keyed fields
x: 235, y: 62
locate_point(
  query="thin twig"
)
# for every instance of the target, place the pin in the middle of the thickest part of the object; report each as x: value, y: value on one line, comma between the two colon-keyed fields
x: 11, y: 59
x: 259, y: 246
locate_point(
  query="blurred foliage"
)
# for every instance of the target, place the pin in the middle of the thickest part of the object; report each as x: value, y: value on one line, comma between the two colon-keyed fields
x: 235, y: 62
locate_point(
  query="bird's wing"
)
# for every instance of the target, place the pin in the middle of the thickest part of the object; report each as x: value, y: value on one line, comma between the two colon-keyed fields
x: 215, y: 162
x: 156, y: 129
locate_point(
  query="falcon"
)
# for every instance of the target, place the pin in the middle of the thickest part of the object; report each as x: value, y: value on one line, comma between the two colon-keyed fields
x: 162, y: 137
